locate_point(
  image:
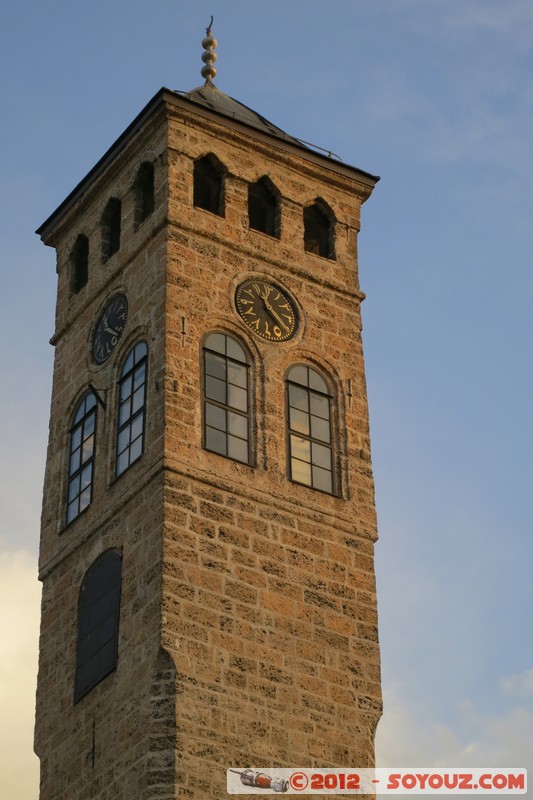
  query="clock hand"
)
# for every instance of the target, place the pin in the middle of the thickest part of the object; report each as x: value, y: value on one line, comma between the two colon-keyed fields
x: 264, y: 295
x: 275, y: 315
x: 110, y: 330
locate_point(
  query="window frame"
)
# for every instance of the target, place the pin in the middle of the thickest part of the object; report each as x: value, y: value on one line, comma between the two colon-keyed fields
x: 320, y: 207
x: 266, y: 194
x: 132, y: 416
x: 111, y: 558
x: 79, y: 264
x: 73, y: 475
x: 143, y: 188
x: 331, y: 445
x: 110, y: 226
x: 248, y: 364
x: 217, y: 172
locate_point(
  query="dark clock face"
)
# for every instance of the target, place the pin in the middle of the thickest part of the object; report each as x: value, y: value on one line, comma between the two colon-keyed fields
x: 266, y: 309
x: 109, y: 328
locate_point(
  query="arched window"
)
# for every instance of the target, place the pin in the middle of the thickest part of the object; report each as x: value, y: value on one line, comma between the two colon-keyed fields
x: 81, y: 457
x: 263, y: 207
x: 319, y: 230
x: 79, y: 264
x: 144, y: 192
x: 226, y: 397
x: 209, y: 184
x: 310, y: 434
x: 111, y: 228
x: 132, y: 407
x: 98, y: 617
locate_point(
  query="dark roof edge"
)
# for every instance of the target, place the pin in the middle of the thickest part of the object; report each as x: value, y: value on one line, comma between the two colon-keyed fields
x: 116, y: 147
x: 177, y: 98
x: 288, y: 142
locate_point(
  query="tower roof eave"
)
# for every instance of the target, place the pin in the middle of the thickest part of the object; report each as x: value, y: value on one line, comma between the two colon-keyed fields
x: 210, y: 97
x: 207, y: 100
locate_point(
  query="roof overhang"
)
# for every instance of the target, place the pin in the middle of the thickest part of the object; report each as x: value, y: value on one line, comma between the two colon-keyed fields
x: 181, y: 100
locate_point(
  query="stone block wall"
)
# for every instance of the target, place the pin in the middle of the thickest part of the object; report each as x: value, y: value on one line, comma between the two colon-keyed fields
x: 269, y: 600
x: 248, y: 621
x: 97, y: 748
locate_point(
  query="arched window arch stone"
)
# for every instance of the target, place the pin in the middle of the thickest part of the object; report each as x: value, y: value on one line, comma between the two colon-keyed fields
x: 208, y: 177
x: 143, y: 188
x: 263, y: 207
x: 110, y: 227
x: 319, y: 229
x: 79, y: 264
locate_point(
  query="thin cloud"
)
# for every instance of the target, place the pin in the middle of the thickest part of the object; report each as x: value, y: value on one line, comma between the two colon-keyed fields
x: 19, y: 622
x: 408, y: 737
x: 511, y: 16
x: 463, y: 93
x: 518, y: 686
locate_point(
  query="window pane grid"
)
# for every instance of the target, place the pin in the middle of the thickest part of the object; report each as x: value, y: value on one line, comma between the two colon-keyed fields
x: 81, y: 458
x: 132, y: 408
x: 309, y: 425
x: 216, y: 441
x: 226, y: 398
x: 130, y: 433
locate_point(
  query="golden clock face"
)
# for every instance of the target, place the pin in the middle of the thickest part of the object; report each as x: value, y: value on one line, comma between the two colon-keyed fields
x: 266, y: 309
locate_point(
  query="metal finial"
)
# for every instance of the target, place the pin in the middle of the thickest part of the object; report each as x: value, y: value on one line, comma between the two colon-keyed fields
x: 209, y: 56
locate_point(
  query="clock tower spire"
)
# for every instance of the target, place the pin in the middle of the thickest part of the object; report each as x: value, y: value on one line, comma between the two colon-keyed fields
x: 209, y: 56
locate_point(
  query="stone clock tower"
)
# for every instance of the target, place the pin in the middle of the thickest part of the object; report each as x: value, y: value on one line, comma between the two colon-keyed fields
x: 208, y: 519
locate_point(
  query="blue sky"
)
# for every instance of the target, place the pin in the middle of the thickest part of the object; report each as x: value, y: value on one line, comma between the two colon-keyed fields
x: 436, y: 96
